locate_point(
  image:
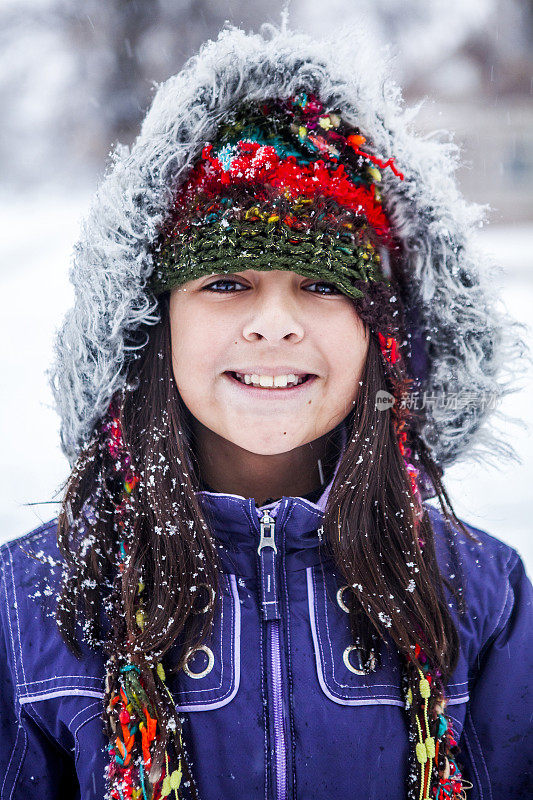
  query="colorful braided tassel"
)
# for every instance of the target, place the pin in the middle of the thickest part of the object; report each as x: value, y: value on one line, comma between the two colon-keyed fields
x: 438, y: 776
x: 131, y: 754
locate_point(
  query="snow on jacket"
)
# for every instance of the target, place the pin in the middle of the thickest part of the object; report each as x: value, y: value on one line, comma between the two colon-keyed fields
x: 276, y: 659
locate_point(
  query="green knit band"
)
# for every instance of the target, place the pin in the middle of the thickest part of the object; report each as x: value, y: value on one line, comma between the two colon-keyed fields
x: 262, y: 245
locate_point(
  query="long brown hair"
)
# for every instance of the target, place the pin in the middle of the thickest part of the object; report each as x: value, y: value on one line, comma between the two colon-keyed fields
x: 371, y: 530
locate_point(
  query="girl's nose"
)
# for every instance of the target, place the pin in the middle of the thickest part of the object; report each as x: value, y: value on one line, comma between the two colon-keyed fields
x: 274, y: 317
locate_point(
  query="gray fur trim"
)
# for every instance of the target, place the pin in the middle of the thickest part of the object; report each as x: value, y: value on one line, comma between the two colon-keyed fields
x: 472, y: 345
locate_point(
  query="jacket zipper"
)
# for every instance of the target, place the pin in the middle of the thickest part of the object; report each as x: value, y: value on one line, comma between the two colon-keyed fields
x: 270, y: 609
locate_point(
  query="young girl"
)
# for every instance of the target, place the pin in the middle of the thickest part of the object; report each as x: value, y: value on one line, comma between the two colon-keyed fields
x: 279, y: 314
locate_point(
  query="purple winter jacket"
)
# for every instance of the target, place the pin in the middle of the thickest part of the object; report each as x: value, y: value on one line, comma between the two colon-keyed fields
x: 271, y: 709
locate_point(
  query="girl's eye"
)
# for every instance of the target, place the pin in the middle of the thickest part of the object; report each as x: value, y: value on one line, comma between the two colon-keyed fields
x: 330, y: 287
x: 226, y: 282
x: 228, y: 285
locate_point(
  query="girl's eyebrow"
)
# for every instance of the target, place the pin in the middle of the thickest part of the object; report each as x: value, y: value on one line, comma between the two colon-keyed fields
x: 227, y: 275
x: 223, y: 275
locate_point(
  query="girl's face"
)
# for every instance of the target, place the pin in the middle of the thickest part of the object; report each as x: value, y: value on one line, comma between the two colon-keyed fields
x: 230, y: 332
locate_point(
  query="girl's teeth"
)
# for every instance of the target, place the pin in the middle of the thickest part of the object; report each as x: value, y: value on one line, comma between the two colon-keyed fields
x: 270, y: 381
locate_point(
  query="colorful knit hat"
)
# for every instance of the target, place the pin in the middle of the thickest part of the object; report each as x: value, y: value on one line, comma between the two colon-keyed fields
x: 285, y: 185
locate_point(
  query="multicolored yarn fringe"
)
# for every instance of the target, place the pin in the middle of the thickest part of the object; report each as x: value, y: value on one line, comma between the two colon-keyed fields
x: 131, y: 773
x: 434, y: 773
x: 391, y: 353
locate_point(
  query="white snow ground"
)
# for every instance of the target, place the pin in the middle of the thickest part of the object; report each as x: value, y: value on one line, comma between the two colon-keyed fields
x: 38, y: 232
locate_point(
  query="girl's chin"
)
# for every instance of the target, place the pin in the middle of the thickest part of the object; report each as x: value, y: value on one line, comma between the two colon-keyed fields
x: 268, y: 437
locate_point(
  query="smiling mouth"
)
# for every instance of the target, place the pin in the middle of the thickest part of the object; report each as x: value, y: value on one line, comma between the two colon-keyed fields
x: 290, y: 387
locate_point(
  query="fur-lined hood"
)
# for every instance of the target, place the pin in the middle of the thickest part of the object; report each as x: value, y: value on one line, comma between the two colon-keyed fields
x: 461, y: 341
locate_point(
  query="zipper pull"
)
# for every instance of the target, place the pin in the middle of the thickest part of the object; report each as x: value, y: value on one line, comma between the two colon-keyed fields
x: 267, y: 561
x: 267, y: 523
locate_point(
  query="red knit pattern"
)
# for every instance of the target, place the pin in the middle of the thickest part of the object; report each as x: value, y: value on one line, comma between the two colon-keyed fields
x: 256, y: 163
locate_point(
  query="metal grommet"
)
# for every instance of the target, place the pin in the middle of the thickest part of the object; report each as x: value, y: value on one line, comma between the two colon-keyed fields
x: 340, y: 601
x: 211, y: 601
x: 210, y: 661
x: 346, y: 659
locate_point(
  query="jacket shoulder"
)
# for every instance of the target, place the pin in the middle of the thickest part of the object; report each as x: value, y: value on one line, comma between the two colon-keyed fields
x: 31, y: 567
x: 31, y: 581
x: 488, y: 571
x: 480, y: 551
x: 38, y: 547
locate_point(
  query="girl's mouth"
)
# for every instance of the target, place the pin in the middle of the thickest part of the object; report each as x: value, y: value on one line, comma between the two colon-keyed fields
x: 262, y: 385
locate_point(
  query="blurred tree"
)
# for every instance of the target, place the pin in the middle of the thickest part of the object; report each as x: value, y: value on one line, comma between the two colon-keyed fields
x: 77, y: 77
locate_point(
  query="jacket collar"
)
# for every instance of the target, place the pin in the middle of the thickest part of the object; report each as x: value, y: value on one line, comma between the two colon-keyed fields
x: 234, y: 520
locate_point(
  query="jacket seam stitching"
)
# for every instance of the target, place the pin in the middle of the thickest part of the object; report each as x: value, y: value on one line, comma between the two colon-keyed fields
x: 473, y: 763
x: 19, y: 729
x: 264, y: 703
x: 289, y: 667
x: 22, y: 756
x: 340, y: 685
x: 497, y: 629
x: 317, y: 625
x: 29, y: 695
x: 82, y: 711
x: 296, y: 502
x: 13, y: 648
x: 17, y: 616
x: 42, y: 725
x: 487, y: 775
x: 459, y: 725
x: 94, y: 715
x: 187, y: 692
x: 61, y: 677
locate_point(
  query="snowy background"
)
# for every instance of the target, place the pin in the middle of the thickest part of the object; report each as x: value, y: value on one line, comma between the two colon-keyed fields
x: 77, y: 77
